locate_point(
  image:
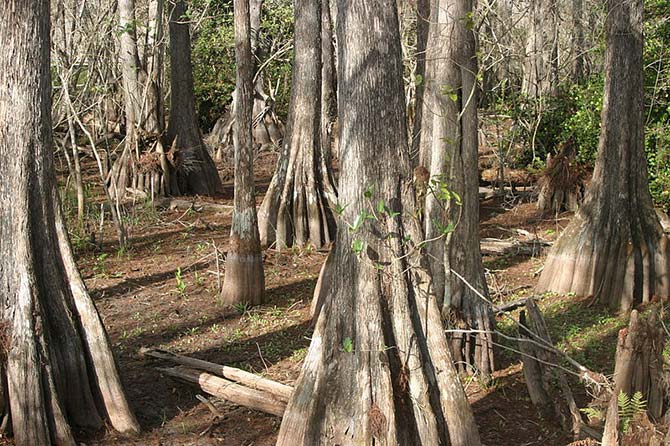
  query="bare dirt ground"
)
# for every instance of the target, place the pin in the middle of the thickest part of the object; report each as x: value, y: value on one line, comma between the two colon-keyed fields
x: 162, y: 292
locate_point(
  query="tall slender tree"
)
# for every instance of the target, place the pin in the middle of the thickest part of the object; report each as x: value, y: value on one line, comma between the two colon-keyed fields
x: 448, y: 157
x: 614, y: 247
x: 56, y: 365
x: 378, y: 370
x: 195, y: 169
x: 244, y: 280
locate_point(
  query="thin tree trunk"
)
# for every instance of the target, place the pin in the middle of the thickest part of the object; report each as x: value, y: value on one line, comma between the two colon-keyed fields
x: 154, y: 67
x: 614, y: 247
x: 422, y: 27
x: 449, y: 147
x: 578, y: 47
x: 267, y: 130
x: 76, y: 169
x: 295, y: 210
x: 195, y: 169
x: 378, y: 370
x: 328, y: 85
x: 57, y: 361
x: 244, y: 280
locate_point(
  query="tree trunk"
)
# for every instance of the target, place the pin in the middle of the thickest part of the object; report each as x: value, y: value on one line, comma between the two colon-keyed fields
x: 638, y: 367
x: 244, y: 280
x: 561, y: 186
x: 295, y: 209
x: 449, y: 149
x: 195, y: 170
x: 378, y: 370
x: 154, y: 64
x: 142, y: 107
x: 422, y: 28
x: 578, y: 46
x: 57, y: 365
x: 328, y: 86
x: 540, y: 68
x: 614, y: 247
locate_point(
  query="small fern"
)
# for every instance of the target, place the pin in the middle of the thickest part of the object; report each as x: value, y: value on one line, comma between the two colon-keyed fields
x: 593, y: 414
x: 629, y: 407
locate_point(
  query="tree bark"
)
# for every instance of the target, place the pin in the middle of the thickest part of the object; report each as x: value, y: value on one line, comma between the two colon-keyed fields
x: 230, y: 390
x: 244, y: 280
x: 540, y: 67
x: 614, y: 248
x: 57, y: 365
x: 295, y: 209
x: 422, y: 28
x: 578, y: 46
x: 378, y: 370
x: 328, y: 85
x: 638, y: 367
x: 449, y: 152
x: 195, y: 169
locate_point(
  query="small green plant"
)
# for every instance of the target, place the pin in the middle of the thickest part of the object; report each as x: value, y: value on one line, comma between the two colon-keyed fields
x: 241, y: 307
x: 100, y: 267
x: 200, y: 280
x: 629, y: 407
x: 347, y: 345
x: 593, y: 414
x: 181, y: 285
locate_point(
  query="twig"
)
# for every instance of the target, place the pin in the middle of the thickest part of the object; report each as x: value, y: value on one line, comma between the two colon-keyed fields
x: 218, y: 269
x: 262, y: 359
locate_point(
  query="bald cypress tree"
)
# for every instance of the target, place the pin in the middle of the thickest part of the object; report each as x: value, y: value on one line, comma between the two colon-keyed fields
x: 57, y: 367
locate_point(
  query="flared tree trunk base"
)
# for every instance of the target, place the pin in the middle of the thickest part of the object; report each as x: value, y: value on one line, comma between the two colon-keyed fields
x: 608, y: 260
x: 244, y: 281
x: 373, y: 373
x: 152, y: 175
x: 473, y: 351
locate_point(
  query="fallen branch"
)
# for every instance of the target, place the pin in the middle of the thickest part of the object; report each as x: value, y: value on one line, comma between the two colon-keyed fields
x: 279, y: 391
x: 228, y: 390
x: 510, y: 306
x: 538, y: 376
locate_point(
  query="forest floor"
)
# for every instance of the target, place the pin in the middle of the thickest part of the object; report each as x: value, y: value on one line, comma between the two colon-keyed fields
x: 163, y: 292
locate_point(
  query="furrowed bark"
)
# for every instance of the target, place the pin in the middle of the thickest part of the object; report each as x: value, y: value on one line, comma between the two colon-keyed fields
x: 58, y: 369
x: 378, y: 370
x: 449, y: 151
x: 195, y: 169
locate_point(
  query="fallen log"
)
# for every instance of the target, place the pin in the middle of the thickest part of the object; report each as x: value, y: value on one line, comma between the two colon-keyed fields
x: 179, y: 204
x: 279, y: 391
x: 494, y: 246
x: 228, y: 390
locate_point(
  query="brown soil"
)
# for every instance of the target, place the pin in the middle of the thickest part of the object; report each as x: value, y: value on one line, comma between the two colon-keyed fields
x: 139, y: 295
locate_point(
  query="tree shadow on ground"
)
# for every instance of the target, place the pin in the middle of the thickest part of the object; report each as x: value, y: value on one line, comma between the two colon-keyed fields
x: 255, y: 347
